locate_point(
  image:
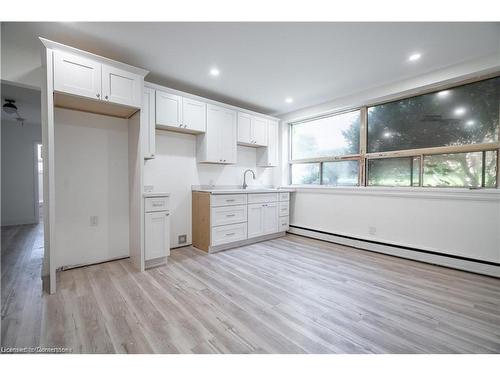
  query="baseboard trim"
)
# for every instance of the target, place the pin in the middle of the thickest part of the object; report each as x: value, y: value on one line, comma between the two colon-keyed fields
x: 452, y: 261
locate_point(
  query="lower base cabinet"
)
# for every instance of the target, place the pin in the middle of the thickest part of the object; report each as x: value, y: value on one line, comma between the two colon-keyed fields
x: 222, y: 221
x: 262, y: 219
x: 156, y: 231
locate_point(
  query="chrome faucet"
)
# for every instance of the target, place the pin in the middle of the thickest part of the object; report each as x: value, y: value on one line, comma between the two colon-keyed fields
x: 245, y: 185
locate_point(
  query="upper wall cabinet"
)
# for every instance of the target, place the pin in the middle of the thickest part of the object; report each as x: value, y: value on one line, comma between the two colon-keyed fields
x: 120, y: 86
x: 194, y: 115
x: 218, y: 144
x: 177, y: 113
x: 77, y: 75
x: 268, y: 156
x: 168, y: 109
x: 252, y: 130
x: 85, y: 77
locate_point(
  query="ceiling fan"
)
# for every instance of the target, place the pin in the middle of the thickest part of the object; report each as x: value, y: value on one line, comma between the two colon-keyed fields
x: 10, y: 108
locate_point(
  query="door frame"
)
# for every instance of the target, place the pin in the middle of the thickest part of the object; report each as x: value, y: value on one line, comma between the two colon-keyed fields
x: 36, y: 192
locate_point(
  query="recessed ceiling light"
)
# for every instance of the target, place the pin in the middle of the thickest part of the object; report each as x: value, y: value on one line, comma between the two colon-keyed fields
x: 387, y: 135
x: 214, y: 72
x: 414, y: 57
x: 443, y: 94
x: 470, y: 123
x: 289, y: 100
x: 459, y: 111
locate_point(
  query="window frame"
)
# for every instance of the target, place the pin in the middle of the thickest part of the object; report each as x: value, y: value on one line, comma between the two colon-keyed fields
x: 364, y: 156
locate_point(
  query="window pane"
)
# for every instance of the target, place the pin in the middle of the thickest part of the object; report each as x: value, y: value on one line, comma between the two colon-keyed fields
x: 330, y: 136
x: 490, y: 178
x: 463, y: 115
x: 305, y: 174
x: 459, y: 170
x: 341, y: 173
x: 394, y: 172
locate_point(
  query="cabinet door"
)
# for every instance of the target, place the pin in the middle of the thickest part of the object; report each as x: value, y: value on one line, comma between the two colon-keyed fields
x: 259, y: 131
x: 268, y: 156
x: 77, y: 75
x: 244, y: 128
x: 255, y: 220
x: 270, y: 218
x: 157, y: 235
x: 120, y: 86
x: 168, y: 109
x: 227, y: 137
x: 211, y: 138
x: 273, y: 132
x: 148, y: 123
x: 194, y: 115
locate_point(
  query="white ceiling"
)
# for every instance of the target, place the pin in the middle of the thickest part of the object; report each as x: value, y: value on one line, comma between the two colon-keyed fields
x: 27, y: 102
x: 263, y: 63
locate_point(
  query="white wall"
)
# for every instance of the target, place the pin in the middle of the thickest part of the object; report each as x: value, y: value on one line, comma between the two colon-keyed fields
x: 91, y: 172
x: 175, y: 169
x: 466, y: 224
x: 18, y: 178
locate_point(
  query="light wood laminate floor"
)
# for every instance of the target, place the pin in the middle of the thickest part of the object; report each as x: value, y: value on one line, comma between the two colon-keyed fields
x: 289, y: 295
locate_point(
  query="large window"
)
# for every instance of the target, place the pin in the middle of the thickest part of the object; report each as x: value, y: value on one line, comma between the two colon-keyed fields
x: 328, y: 136
x: 463, y: 115
x: 446, y: 138
x: 320, y: 147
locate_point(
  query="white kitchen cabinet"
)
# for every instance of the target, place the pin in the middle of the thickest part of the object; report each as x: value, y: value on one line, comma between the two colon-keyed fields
x: 85, y: 77
x: 148, y: 123
x: 157, y: 236
x: 194, y: 115
x: 262, y: 219
x: 181, y: 114
x: 120, y: 86
x: 218, y: 144
x: 252, y: 130
x: 255, y: 220
x: 168, y: 109
x: 77, y: 75
x: 268, y: 156
x: 223, y: 221
x: 156, y: 229
x: 244, y: 128
x: 259, y: 131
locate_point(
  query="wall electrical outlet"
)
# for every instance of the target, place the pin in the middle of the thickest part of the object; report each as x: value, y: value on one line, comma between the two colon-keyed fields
x: 372, y: 231
x: 94, y: 221
x: 182, y: 239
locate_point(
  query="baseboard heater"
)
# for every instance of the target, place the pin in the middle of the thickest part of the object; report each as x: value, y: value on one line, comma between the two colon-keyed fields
x: 479, y: 266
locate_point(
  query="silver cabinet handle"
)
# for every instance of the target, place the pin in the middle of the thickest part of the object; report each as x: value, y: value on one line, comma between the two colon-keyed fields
x: 230, y: 215
x: 230, y: 234
x: 106, y: 97
x: 180, y: 125
x: 229, y: 200
x: 98, y: 95
x: 167, y: 214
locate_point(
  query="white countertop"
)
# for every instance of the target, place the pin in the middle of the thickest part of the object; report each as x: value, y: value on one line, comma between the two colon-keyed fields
x: 153, y: 194
x: 239, y: 190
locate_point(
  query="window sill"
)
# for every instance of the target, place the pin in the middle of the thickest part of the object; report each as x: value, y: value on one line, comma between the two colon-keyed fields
x: 402, y: 192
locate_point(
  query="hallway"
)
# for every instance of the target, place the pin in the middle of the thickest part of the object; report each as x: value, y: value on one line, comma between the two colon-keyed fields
x: 21, y: 300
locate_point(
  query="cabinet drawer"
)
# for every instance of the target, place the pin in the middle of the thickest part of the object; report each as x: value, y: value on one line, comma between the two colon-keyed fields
x: 156, y: 204
x: 229, y: 233
x: 284, y: 196
x: 262, y: 197
x: 228, y: 215
x: 228, y: 200
x: 284, y: 209
x: 284, y: 224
